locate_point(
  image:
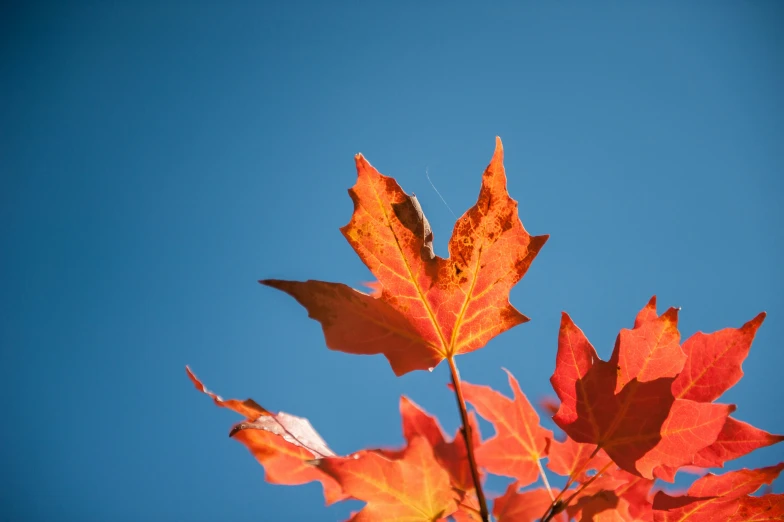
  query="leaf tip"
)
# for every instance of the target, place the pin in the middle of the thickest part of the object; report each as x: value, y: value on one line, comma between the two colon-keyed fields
x: 195, y: 380
x: 672, y: 314
x: 757, y: 321
x: 498, y: 153
x: 566, y: 321
x: 360, y: 161
x: 237, y: 428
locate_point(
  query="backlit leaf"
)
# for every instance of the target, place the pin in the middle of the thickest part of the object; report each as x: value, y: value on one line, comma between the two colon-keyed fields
x: 528, y: 506
x: 640, y: 424
x: 412, y: 488
x: 719, y: 497
x: 282, y: 443
x: 714, y: 361
x: 519, y: 441
x: 429, y: 308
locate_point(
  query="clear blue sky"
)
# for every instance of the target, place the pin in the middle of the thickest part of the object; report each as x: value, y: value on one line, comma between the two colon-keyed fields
x: 156, y: 161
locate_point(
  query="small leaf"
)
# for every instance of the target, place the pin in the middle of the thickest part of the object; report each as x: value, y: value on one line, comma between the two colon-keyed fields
x: 282, y: 443
x: 451, y: 454
x: 528, y: 506
x: 412, y: 488
x: 571, y: 459
x: 519, y: 441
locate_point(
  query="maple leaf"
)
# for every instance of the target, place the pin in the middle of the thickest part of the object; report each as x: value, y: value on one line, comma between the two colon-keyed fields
x: 412, y: 488
x: 452, y: 454
x: 519, y: 442
x: 611, y: 495
x: 527, y: 506
x: 722, y: 497
x: 571, y: 459
x: 636, y: 491
x: 756, y: 509
x: 713, y: 363
x: 712, y: 366
x: 425, y: 308
x: 626, y: 406
x: 282, y: 443
x: 735, y: 440
x: 603, y: 506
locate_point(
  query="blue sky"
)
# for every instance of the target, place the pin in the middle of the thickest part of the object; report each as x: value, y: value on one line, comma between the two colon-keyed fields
x: 157, y: 160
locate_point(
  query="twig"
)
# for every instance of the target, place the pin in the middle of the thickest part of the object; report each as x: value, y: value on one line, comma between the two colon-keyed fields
x: 468, y: 437
x: 587, y: 483
x: 549, y: 513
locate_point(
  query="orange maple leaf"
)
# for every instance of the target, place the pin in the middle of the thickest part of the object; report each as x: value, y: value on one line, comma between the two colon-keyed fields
x: 425, y: 308
x: 574, y: 459
x: 413, y: 487
x: 527, y: 506
x: 520, y: 442
x: 282, y: 443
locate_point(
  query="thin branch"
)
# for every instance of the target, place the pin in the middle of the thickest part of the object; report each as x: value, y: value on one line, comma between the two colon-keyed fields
x: 550, y: 513
x: 468, y: 437
x: 587, y: 483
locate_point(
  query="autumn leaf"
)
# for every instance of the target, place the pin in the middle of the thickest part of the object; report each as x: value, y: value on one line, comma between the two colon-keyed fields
x: 721, y: 497
x: 603, y: 506
x: 712, y: 366
x: 450, y: 454
x: 575, y: 459
x: 626, y: 406
x: 650, y: 351
x: 735, y: 440
x: 527, y: 506
x: 637, y: 492
x: 756, y: 509
x: 519, y: 442
x: 412, y: 488
x: 425, y: 308
x: 282, y: 443
x: 713, y: 363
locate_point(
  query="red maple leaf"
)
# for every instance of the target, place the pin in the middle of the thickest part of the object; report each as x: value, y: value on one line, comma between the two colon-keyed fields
x: 626, y: 406
x: 425, y: 308
x: 712, y: 366
x: 722, y: 497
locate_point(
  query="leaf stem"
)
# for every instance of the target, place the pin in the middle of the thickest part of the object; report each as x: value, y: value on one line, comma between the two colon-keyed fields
x: 549, y: 513
x: 587, y: 483
x: 544, y: 479
x: 468, y: 437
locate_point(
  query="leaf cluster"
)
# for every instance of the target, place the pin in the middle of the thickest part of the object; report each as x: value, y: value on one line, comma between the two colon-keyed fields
x: 645, y: 414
